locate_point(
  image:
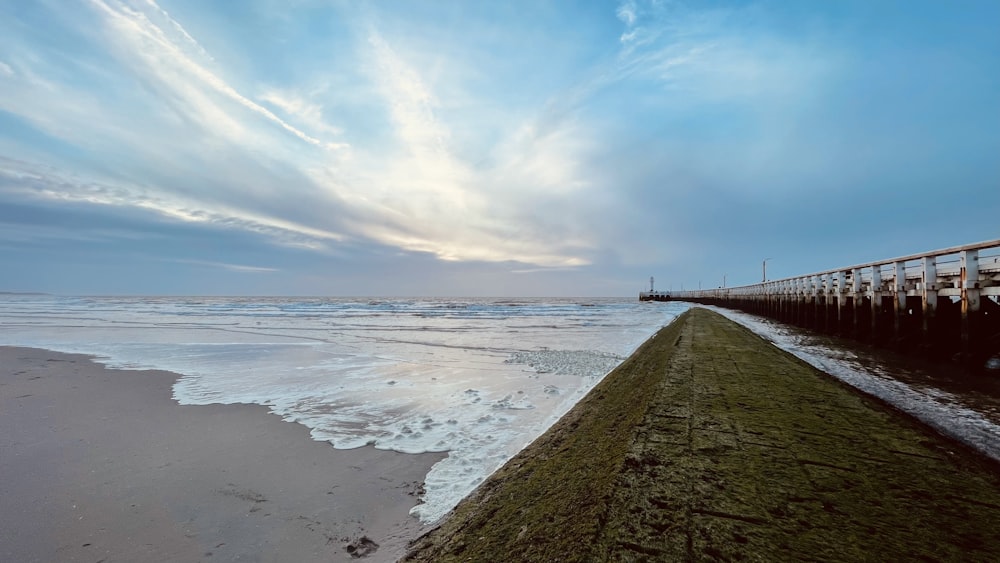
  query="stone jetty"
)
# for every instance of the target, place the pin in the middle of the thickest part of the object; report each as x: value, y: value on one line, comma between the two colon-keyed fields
x: 709, y: 443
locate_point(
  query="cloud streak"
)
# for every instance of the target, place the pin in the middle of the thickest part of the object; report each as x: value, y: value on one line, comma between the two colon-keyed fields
x: 25, y: 181
x: 479, y: 138
x: 150, y: 51
x: 231, y: 267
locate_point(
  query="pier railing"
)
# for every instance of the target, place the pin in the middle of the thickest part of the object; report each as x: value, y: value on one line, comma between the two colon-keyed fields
x: 944, y: 301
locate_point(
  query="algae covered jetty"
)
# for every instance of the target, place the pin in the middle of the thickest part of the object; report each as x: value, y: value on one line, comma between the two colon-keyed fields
x: 709, y: 443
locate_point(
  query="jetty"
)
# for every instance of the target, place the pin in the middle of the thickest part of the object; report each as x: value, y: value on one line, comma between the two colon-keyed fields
x: 941, y: 304
x: 652, y: 294
x: 710, y: 443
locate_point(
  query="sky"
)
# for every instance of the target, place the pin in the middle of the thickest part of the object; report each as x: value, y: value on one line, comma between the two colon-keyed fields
x: 457, y: 148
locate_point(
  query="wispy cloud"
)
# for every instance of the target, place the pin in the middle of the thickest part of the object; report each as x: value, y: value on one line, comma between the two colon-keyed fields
x: 627, y: 13
x: 540, y: 270
x: 151, y: 51
x: 296, y: 105
x: 177, y: 28
x: 441, y: 204
x: 418, y: 191
x: 227, y: 266
x: 22, y: 233
x: 22, y: 179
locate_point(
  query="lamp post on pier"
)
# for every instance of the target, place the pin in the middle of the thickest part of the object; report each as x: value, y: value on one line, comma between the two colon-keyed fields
x: 764, y: 268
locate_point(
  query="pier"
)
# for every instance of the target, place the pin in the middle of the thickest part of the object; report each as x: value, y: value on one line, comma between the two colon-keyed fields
x: 941, y: 304
x: 652, y: 294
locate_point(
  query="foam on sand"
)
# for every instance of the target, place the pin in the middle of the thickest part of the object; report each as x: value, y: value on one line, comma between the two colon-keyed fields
x: 478, y: 379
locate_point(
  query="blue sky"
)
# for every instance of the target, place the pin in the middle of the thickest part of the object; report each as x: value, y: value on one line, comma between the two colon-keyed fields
x: 470, y: 148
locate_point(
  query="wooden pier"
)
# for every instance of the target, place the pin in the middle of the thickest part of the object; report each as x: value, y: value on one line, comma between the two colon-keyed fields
x: 941, y: 303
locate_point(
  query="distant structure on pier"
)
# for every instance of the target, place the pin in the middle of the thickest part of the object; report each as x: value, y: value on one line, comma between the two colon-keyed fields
x: 652, y: 294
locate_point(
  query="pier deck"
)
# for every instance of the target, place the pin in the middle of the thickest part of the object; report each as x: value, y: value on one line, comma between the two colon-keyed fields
x: 709, y: 443
x: 941, y: 304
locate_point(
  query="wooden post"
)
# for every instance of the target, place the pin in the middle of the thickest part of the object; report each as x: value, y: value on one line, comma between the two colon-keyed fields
x: 820, y: 323
x: 969, y: 280
x: 928, y: 289
x: 779, y: 300
x: 814, y: 283
x: 787, y: 304
x: 841, y: 293
x: 859, y: 301
x: 828, y: 303
x: 899, y: 300
x: 876, y: 291
x: 796, y: 302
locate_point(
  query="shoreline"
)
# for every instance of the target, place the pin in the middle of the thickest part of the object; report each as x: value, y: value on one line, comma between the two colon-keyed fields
x: 102, y: 463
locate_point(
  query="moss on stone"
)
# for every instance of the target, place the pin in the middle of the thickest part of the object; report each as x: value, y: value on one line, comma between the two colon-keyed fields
x: 709, y: 443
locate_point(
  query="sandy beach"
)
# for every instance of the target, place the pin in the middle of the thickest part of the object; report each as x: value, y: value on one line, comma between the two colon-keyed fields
x: 103, y: 465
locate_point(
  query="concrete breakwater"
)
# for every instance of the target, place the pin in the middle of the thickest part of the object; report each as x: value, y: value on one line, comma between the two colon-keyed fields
x: 940, y: 303
x: 708, y: 442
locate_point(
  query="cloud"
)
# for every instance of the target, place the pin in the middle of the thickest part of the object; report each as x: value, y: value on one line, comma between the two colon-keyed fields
x: 295, y: 105
x: 5, y: 69
x: 626, y: 12
x: 178, y: 29
x: 189, y: 146
x: 546, y: 270
x: 25, y: 180
x: 230, y: 267
x: 21, y: 233
x: 162, y: 60
x: 430, y: 200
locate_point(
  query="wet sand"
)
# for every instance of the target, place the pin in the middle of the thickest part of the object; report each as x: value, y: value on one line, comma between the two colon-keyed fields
x: 103, y: 465
x: 709, y: 443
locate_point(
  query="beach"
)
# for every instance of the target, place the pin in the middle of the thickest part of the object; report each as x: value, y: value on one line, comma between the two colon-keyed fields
x: 99, y: 464
x: 476, y: 378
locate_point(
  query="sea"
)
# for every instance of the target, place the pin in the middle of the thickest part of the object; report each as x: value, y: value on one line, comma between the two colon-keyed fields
x: 476, y: 378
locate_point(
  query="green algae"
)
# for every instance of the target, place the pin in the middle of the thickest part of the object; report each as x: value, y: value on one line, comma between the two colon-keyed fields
x: 709, y: 443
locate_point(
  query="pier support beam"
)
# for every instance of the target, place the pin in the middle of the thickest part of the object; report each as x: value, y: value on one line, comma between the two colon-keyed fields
x: 841, y: 293
x: 859, y: 303
x: 928, y: 291
x: 899, y: 302
x: 800, y: 302
x: 814, y: 291
x: 968, y: 279
x: 876, y: 293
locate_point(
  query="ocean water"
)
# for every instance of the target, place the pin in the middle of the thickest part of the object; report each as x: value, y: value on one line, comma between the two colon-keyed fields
x: 477, y: 378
